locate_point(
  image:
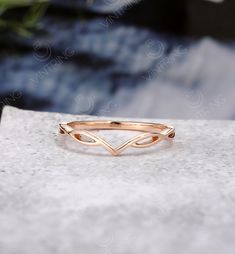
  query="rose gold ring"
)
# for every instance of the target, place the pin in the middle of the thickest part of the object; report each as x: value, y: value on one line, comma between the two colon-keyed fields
x: 151, y: 133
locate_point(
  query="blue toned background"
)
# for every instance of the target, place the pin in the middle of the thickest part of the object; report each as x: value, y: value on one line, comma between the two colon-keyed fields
x: 120, y: 58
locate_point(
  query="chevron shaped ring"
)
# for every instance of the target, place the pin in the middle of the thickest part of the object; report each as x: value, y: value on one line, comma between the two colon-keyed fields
x: 150, y: 133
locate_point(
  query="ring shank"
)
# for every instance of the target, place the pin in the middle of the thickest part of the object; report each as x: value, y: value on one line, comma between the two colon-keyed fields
x: 121, y: 125
x: 153, y: 133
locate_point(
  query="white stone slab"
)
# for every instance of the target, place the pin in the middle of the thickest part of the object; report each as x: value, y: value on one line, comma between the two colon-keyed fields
x: 58, y: 197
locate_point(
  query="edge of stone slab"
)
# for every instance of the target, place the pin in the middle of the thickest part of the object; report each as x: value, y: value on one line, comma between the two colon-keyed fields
x: 10, y: 110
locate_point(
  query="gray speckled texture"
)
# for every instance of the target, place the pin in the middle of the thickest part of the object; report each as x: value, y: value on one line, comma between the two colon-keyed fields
x: 56, y: 197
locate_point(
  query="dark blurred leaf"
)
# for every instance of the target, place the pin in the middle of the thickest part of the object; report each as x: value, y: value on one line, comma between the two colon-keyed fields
x: 23, y: 26
x: 7, y: 4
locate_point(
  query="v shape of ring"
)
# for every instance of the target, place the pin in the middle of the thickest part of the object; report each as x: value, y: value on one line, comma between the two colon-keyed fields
x: 152, y: 133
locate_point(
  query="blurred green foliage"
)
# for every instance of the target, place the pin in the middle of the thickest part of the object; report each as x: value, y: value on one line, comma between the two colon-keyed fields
x: 21, y: 16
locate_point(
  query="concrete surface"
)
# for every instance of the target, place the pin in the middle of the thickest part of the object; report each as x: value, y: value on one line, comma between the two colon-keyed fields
x: 57, y: 196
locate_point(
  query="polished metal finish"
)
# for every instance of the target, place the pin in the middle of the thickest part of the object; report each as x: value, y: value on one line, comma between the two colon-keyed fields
x: 151, y: 133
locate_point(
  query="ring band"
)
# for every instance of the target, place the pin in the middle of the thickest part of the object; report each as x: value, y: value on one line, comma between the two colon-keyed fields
x: 151, y: 133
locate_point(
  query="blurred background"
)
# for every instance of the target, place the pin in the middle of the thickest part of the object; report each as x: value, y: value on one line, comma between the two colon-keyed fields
x: 131, y: 58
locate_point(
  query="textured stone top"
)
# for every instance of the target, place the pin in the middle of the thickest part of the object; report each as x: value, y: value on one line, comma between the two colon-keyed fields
x: 57, y: 196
